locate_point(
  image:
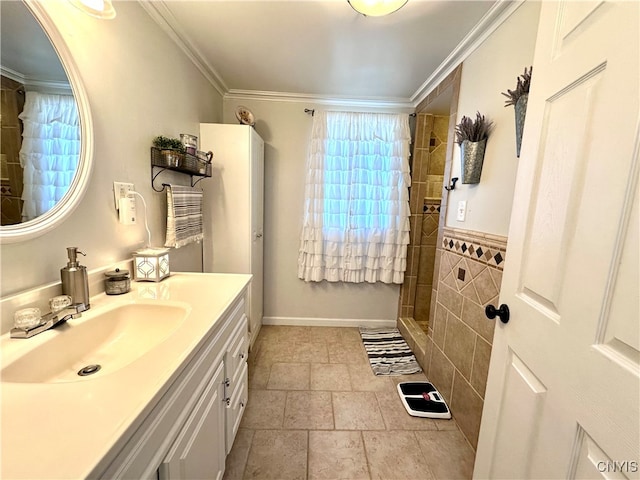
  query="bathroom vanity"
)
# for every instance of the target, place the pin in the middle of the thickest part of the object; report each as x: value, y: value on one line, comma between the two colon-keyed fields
x: 166, y: 402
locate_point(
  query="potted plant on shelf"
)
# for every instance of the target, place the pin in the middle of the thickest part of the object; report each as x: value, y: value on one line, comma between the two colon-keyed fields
x: 472, y: 136
x: 519, y: 98
x: 171, y: 149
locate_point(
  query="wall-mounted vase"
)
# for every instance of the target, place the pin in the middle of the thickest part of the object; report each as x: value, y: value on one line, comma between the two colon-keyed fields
x: 521, y: 112
x: 472, y: 157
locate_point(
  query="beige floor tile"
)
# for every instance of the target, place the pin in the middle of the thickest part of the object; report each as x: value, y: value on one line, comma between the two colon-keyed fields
x: 270, y: 353
x: 357, y: 411
x: 332, y: 377
x: 265, y: 409
x: 309, y: 389
x: 334, y: 334
x: 448, y: 454
x: 396, y: 416
x: 340, y: 352
x: 289, y: 376
x: 363, y: 379
x: 259, y: 376
x: 277, y: 454
x: 283, y: 334
x: 309, y: 352
x: 326, y: 334
x: 337, y: 455
x: 395, y: 455
x: 308, y: 411
x: 237, y: 458
x: 414, y: 377
x: 442, y: 424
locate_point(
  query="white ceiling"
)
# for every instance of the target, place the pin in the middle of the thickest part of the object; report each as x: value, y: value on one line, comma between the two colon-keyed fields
x: 25, y: 49
x: 311, y: 49
x: 322, y: 48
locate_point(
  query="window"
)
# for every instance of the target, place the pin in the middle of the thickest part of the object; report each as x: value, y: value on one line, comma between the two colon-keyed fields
x: 356, y: 213
x: 50, y: 150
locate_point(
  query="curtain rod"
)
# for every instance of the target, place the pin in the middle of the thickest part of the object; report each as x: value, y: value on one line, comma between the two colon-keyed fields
x: 312, y: 112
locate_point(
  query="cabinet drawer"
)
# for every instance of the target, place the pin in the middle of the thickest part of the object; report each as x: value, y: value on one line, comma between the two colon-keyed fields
x: 238, y: 350
x: 237, y: 404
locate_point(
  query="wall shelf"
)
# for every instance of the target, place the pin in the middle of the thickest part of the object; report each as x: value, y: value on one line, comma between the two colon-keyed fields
x: 176, y: 161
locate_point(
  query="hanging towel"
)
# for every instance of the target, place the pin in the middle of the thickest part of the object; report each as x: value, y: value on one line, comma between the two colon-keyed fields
x: 184, y: 216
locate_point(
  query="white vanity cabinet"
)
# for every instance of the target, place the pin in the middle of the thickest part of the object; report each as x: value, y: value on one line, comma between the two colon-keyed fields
x: 216, y: 417
x: 191, y: 429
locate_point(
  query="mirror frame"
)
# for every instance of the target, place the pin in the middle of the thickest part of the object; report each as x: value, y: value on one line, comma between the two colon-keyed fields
x: 68, y: 203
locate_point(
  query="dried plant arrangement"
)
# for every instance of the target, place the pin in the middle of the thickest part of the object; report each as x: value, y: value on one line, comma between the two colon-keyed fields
x: 524, y: 82
x: 473, y: 130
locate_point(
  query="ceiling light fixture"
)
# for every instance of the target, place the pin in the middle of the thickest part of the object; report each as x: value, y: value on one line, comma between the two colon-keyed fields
x: 376, y: 8
x: 96, y: 8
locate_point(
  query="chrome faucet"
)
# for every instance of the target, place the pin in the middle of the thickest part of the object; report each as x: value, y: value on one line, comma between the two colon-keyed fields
x: 75, y: 299
x: 49, y: 320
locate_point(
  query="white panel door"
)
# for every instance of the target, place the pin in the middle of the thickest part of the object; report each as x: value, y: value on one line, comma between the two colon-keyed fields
x: 563, y: 391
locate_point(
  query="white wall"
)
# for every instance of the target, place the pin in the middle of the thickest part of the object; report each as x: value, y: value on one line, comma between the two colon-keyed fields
x: 139, y: 85
x: 285, y: 129
x: 489, y: 70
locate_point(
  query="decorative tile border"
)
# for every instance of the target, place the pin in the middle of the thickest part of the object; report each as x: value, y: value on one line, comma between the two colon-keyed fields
x: 488, y: 249
x: 431, y: 205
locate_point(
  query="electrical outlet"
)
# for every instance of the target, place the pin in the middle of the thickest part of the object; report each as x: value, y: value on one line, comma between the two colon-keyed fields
x: 120, y: 190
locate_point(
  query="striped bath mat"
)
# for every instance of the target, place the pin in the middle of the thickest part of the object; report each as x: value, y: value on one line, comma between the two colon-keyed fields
x: 388, y: 353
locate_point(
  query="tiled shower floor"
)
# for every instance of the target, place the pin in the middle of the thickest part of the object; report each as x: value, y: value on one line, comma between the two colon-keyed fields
x: 316, y: 411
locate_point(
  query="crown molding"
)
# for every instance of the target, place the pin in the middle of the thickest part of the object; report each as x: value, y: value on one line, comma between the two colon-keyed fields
x: 496, y: 15
x: 489, y: 23
x: 43, y: 86
x: 333, y: 100
x: 159, y: 12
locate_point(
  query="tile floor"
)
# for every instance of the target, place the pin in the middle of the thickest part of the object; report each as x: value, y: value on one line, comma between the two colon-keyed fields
x: 316, y: 411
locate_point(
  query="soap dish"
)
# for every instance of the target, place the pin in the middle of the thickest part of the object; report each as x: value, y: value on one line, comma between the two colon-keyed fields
x: 422, y: 399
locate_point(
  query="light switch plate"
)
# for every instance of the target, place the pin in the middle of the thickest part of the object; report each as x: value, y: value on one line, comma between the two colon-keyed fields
x: 462, y: 210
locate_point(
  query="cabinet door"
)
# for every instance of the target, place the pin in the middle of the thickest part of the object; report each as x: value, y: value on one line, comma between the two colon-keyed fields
x: 199, y: 450
x: 257, y: 230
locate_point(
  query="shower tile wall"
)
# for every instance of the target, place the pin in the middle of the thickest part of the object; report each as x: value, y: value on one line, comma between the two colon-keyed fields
x: 455, y: 351
x: 458, y: 346
x: 429, y: 154
x: 12, y: 102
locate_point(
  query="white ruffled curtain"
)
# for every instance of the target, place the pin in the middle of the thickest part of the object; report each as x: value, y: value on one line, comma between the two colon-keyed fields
x: 50, y: 150
x: 356, y: 212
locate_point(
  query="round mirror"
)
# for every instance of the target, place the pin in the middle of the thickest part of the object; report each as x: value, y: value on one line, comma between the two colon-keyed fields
x: 47, y: 141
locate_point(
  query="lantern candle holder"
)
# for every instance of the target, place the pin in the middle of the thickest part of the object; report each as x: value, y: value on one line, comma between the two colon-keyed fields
x: 151, y: 265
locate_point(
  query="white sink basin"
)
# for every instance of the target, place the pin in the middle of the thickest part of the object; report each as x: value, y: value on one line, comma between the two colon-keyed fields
x: 112, y: 339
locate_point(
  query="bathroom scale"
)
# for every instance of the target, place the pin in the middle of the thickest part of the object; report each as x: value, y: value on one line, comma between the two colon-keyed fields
x: 422, y: 399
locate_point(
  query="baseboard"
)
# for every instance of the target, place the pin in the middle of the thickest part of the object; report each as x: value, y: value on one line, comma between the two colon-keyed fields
x: 329, y: 322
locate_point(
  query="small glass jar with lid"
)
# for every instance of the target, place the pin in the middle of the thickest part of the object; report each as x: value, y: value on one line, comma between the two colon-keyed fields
x: 117, y: 282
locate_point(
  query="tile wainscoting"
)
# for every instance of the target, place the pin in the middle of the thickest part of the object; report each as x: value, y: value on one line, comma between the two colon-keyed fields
x: 456, y: 350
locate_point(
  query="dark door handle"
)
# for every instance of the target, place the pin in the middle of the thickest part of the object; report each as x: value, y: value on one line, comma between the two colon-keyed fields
x: 502, y: 313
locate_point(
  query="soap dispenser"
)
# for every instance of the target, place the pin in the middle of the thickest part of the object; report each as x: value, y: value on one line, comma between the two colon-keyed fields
x: 75, y: 281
